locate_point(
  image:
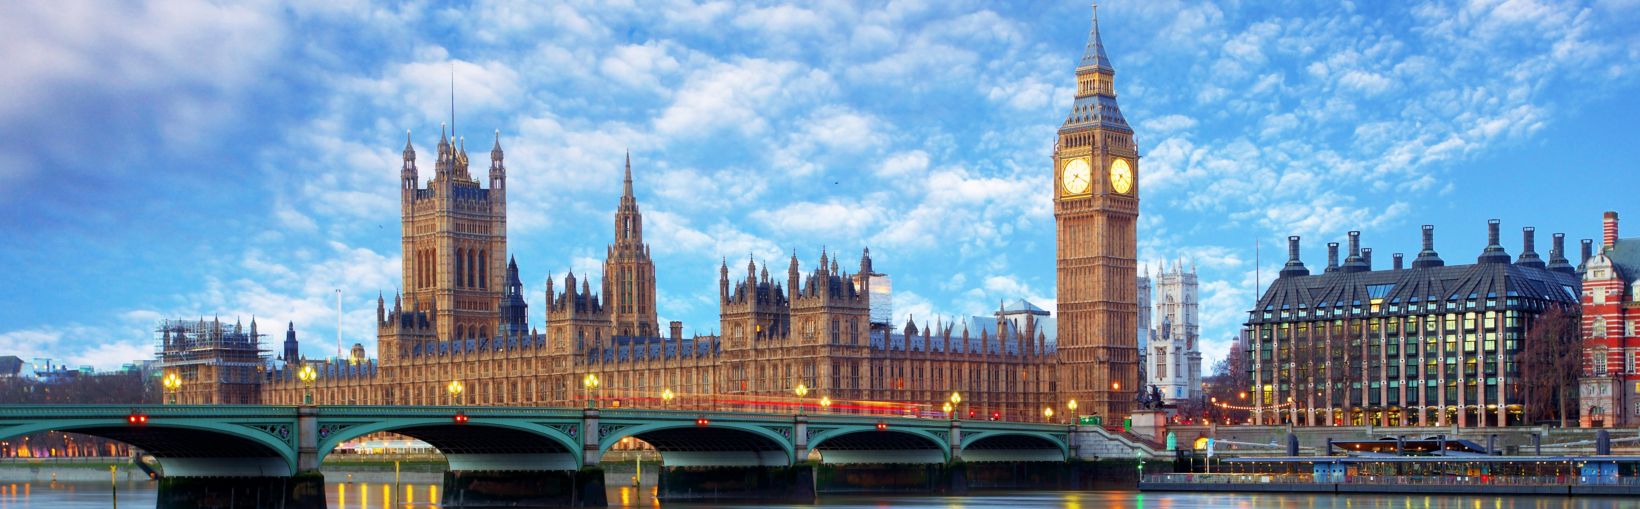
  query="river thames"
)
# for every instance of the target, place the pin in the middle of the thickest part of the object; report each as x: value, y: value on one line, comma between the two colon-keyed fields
x: 76, y: 495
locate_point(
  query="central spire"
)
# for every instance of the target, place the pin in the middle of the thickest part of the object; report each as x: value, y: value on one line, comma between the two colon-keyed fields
x: 627, y: 190
x: 1095, y: 104
x: 1093, y: 56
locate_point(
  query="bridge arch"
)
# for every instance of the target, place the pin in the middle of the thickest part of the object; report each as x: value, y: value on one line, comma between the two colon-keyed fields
x: 1014, y: 445
x: 719, y: 444
x: 480, y: 444
x: 234, y: 450
x: 869, y: 445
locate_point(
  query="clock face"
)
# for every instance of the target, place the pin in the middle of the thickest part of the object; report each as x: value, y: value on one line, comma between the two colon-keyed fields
x: 1077, y: 176
x: 1121, y: 176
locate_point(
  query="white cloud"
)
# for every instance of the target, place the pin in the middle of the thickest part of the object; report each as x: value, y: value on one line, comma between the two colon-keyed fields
x: 739, y: 95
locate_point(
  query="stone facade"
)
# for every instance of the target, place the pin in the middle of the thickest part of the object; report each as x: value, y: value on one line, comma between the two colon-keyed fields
x: 1174, y: 355
x: 462, y: 317
x: 1096, y: 211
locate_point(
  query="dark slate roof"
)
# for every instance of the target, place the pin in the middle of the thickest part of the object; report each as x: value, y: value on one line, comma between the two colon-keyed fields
x: 1625, y: 255
x: 1094, y: 54
x: 1097, y: 111
x: 1400, y: 289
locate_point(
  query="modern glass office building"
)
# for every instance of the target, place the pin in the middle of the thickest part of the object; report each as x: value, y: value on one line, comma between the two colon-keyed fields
x: 1429, y: 344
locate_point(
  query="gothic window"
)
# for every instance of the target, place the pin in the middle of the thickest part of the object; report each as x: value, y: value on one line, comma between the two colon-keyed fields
x: 460, y: 265
x: 834, y: 330
x: 483, y: 269
x: 461, y: 331
x: 471, y: 257
x: 1599, y: 328
x: 484, y: 332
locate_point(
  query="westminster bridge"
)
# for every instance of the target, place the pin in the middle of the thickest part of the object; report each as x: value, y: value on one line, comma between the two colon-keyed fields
x: 552, y: 455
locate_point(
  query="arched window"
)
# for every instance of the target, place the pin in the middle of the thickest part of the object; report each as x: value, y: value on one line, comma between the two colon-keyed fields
x: 461, y: 331
x: 1598, y: 328
x: 459, y: 266
x: 484, y: 331
x: 483, y: 269
x: 471, y: 257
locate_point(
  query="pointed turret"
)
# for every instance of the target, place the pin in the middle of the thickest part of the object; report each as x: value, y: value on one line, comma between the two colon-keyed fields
x: 626, y: 188
x: 498, y: 168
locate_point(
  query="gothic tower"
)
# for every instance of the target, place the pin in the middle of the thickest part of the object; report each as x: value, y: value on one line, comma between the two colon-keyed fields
x: 455, y: 240
x: 1096, y: 206
x: 629, y: 275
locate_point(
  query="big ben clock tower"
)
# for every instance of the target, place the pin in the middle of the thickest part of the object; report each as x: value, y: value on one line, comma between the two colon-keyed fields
x: 1096, y: 206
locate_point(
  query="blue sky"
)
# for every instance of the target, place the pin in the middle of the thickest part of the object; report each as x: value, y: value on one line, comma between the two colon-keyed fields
x: 186, y: 159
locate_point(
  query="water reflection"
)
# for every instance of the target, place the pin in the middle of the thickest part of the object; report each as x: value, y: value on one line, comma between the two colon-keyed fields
x: 360, y: 495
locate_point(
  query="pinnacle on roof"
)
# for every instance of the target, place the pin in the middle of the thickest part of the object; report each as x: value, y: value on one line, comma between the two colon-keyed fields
x: 627, y: 192
x: 1094, y: 54
x: 409, y: 150
x: 495, y: 151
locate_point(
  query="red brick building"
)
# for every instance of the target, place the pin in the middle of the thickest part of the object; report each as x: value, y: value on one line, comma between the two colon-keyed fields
x: 1610, y: 392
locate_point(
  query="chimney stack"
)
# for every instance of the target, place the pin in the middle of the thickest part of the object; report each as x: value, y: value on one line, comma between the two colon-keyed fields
x: 677, y: 330
x: 1557, y: 256
x: 1528, y: 253
x: 1366, y: 258
x: 1332, y: 257
x: 1354, y: 263
x: 1294, y: 267
x: 1494, y: 252
x: 1588, y: 252
x: 1428, y: 257
x: 1398, y: 257
x: 1608, y: 231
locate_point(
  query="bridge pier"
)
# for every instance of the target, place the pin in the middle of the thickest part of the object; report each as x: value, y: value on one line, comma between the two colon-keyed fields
x: 794, y: 484
x: 301, y: 491
x: 307, y: 439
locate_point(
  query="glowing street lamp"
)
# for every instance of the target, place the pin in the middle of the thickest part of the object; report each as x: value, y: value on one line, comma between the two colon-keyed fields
x: 588, y: 383
x: 1071, y: 406
x: 825, y: 403
x: 172, y: 384
x: 307, y: 375
x: 455, y: 388
x: 666, y: 396
x: 947, y: 408
x: 1047, y: 413
x: 956, y: 403
x: 800, y: 391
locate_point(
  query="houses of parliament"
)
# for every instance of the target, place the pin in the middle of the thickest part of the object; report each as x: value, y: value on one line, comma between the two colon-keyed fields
x: 461, y: 316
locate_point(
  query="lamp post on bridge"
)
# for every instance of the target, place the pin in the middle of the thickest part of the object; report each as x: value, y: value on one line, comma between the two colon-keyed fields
x: 588, y: 383
x: 953, y: 405
x: 666, y: 397
x: 800, y: 391
x: 307, y: 375
x: 172, y: 384
x: 825, y: 404
x: 455, y: 388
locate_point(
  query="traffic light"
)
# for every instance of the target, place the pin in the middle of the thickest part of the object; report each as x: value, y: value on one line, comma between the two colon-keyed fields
x: 460, y: 418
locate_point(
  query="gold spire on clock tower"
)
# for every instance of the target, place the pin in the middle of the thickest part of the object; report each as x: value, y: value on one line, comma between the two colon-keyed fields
x: 1096, y: 208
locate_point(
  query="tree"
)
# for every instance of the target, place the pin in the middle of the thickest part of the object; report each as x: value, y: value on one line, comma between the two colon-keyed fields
x: 1550, y: 361
x: 1230, y: 384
